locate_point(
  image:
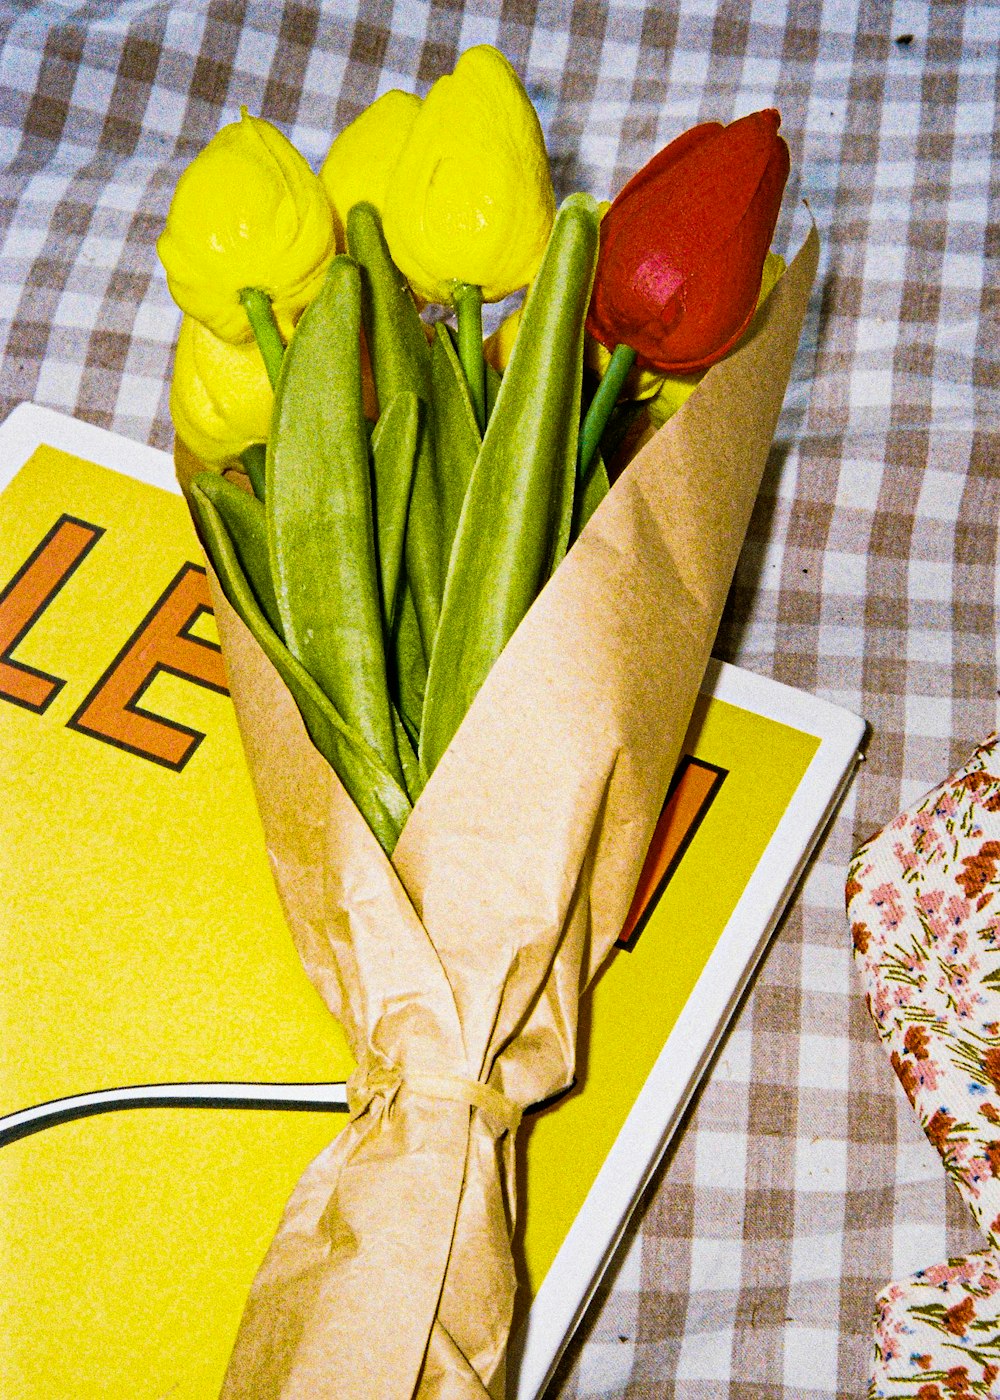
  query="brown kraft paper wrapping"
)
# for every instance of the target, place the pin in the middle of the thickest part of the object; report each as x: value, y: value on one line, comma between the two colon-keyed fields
x: 463, y: 958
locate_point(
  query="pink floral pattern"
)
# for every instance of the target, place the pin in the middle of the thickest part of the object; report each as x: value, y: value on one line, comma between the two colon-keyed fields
x: 923, y: 899
x: 937, y: 1333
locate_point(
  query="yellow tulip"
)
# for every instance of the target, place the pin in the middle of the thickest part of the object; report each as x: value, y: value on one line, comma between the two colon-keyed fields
x: 470, y: 199
x: 248, y: 212
x: 362, y: 157
x: 220, y: 395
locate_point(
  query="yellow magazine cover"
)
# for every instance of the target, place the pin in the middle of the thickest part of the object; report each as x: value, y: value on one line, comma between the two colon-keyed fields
x: 167, y: 1071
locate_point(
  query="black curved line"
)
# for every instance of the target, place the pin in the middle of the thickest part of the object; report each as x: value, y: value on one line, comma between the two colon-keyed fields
x: 67, y: 1114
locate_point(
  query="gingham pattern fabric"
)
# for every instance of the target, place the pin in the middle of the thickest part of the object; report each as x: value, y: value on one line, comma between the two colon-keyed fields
x: 801, y: 1182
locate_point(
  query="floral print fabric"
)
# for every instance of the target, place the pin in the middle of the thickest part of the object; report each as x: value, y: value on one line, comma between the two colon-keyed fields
x: 937, y: 1333
x: 923, y: 898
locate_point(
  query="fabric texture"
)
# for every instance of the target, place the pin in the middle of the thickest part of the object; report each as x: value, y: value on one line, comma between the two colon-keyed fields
x: 801, y: 1182
x: 923, y: 897
x: 937, y: 1332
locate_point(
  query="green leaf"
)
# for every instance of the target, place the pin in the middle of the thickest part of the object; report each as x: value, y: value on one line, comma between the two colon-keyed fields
x: 589, y: 495
x: 319, y: 514
x: 409, y: 676
x: 515, y: 523
x: 413, y: 773
x: 493, y: 382
x: 401, y: 363
x: 394, y: 449
x: 243, y: 516
x: 376, y: 793
x: 254, y: 459
x: 457, y: 439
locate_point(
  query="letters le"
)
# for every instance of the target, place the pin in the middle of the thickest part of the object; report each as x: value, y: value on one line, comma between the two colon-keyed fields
x: 163, y: 641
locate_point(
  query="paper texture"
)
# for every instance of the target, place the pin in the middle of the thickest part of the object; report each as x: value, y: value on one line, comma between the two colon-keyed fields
x: 464, y: 958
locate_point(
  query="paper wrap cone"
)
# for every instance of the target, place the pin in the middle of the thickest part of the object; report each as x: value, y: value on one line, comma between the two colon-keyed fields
x: 456, y: 968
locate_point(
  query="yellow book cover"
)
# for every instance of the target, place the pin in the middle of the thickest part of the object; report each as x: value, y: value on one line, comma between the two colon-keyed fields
x: 167, y: 1071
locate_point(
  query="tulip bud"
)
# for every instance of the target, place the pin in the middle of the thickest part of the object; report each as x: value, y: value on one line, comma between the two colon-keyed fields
x: 247, y: 212
x: 220, y: 395
x: 683, y: 245
x: 470, y: 199
x: 362, y: 157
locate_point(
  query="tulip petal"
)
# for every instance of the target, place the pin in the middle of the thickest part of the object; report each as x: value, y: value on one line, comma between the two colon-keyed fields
x: 361, y: 159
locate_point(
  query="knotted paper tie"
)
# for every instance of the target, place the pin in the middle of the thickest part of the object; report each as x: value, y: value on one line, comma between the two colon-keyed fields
x: 373, y: 1081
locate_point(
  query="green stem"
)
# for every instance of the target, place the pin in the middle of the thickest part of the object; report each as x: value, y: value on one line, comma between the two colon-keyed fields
x: 260, y: 314
x: 469, y: 310
x: 253, y: 458
x: 601, y: 405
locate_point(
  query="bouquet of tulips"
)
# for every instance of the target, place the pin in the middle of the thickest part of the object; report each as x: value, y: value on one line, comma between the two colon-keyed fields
x: 463, y: 662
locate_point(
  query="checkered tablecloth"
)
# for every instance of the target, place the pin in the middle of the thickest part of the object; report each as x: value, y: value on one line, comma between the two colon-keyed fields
x: 801, y: 1181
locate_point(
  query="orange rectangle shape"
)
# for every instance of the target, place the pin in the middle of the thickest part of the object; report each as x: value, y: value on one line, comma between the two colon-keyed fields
x: 691, y: 793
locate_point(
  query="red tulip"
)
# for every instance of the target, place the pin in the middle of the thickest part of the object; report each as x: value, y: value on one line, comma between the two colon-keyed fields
x: 683, y: 245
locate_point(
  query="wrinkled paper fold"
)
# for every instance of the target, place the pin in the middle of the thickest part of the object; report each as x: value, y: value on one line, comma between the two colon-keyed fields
x: 465, y: 956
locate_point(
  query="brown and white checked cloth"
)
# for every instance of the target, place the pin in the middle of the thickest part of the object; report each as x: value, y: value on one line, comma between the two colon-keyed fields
x: 801, y: 1182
